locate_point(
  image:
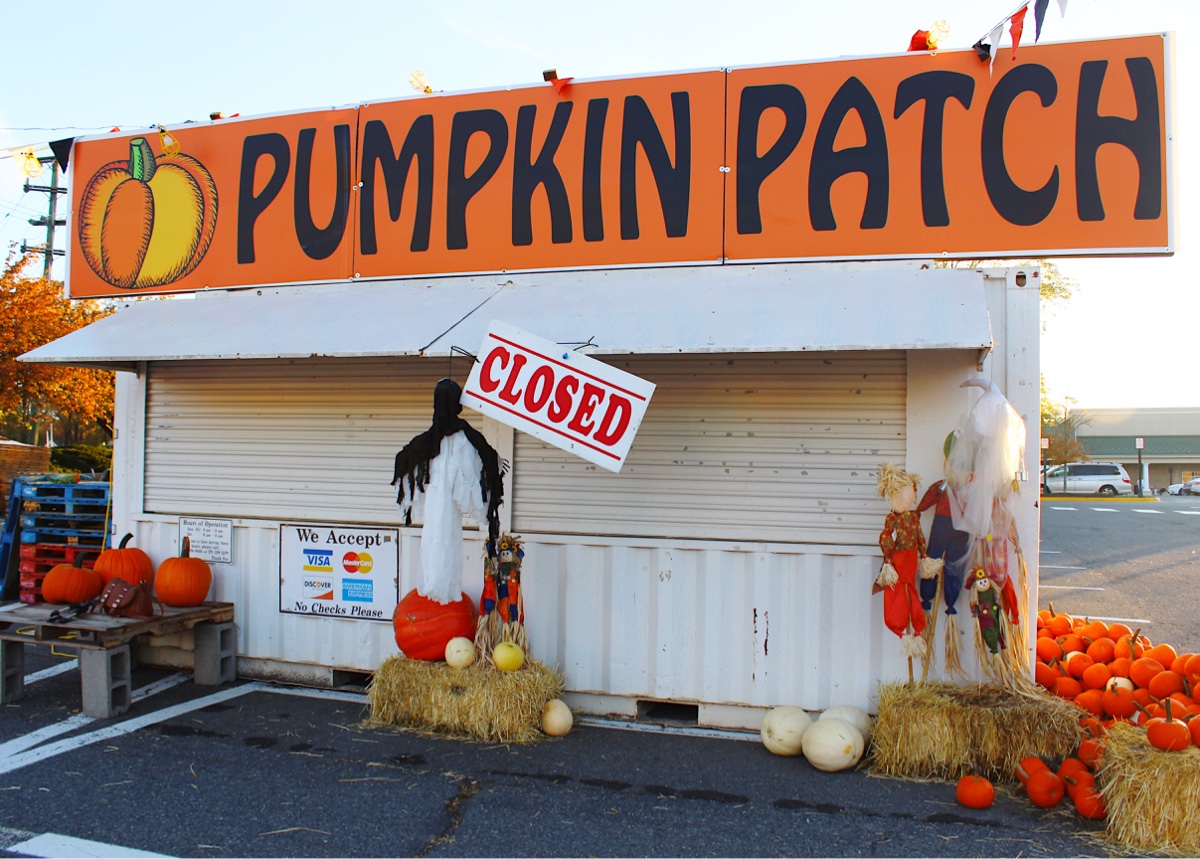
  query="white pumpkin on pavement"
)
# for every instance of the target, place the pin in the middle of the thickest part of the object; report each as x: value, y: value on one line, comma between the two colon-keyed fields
x: 856, y: 717
x: 832, y: 745
x: 557, y: 719
x: 783, y: 729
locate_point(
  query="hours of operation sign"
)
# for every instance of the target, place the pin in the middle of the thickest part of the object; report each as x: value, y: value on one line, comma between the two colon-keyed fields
x: 339, y: 571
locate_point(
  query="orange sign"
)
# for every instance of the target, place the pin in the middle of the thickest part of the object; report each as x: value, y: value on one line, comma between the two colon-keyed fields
x: 1062, y: 151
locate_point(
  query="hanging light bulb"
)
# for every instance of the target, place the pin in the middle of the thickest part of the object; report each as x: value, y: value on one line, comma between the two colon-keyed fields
x: 419, y: 82
x: 937, y: 32
x: 170, y: 145
x: 30, y: 165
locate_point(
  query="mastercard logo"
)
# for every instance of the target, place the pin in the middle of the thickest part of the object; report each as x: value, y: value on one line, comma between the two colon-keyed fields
x: 357, y: 562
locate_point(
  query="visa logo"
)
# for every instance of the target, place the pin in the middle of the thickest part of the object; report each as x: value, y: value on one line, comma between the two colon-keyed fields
x: 318, y: 560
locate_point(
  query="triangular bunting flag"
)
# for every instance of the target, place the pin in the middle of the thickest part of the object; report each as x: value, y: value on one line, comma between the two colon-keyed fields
x: 1062, y: 8
x: 993, y: 39
x: 982, y: 50
x: 1039, y: 15
x: 62, y: 151
x: 1016, y: 27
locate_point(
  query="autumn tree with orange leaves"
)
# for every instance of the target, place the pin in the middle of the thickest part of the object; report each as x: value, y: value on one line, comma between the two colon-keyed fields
x: 33, y: 312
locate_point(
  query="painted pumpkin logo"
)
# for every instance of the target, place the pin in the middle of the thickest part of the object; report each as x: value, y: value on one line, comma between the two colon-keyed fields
x: 147, y: 221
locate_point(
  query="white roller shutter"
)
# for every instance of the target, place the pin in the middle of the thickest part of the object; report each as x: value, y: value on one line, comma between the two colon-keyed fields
x: 780, y: 447
x: 311, y: 439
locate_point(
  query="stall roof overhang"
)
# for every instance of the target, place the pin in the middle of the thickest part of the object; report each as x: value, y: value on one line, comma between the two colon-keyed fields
x: 706, y: 309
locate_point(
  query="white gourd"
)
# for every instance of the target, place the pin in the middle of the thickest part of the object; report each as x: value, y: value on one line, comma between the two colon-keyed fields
x: 833, y: 744
x: 782, y: 730
x: 557, y: 719
x: 460, y: 652
x: 855, y: 716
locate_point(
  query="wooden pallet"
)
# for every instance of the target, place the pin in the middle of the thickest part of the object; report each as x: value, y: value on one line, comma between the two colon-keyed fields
x: 32, y: 624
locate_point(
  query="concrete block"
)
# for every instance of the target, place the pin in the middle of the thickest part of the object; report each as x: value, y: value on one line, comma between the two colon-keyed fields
x: 107, y: 684
x: 12, y: 671
x: 216, y: 653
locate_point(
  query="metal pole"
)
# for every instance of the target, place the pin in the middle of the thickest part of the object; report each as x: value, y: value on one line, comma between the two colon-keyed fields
x: 53, y: 217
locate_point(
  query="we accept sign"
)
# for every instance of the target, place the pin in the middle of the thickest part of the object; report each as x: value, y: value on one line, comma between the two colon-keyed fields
x: 1065, y: 150
x: 339, y: 571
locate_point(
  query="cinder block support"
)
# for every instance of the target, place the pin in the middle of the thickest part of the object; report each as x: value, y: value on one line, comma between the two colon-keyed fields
x: 107, y: 685
x: 12, y: 671
x: 216, y: 653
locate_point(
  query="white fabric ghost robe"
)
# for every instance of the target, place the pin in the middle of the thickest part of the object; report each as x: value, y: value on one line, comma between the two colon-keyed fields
x: 453, y: 490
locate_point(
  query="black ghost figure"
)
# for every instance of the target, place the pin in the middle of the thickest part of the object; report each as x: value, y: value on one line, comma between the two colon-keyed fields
x: 444, y: 472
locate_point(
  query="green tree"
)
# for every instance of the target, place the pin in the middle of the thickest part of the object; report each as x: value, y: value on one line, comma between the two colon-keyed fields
x: 33, y: 312
x: 1060, y: 426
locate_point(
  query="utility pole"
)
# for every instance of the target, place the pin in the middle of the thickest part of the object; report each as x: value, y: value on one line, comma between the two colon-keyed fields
x: 50, y: 220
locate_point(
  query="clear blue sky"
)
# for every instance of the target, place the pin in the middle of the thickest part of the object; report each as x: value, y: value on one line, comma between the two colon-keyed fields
x: 83, y: 66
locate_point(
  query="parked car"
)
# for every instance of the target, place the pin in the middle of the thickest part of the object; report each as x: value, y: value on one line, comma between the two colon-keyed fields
x: 1173, y: 489
x: 1192, y: 487
x: 1087, y: 478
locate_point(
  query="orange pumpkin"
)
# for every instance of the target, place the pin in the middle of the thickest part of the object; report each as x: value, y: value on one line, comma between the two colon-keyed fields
x: 974, y: 791
x: 1194, y: 728
x: 1028, y: 766
x: 1045, y: 788
x: 1142, y: 671
x: 1090, y: 751
x: 1118, y: 701
x: 71, y: 583
x: 147, y: 221
x: 424, y: 627
x: 1168, y: 734
x: 125, y: 562
x: 1165, y: 683
x: 1089, y: 803
x: 183, y: 581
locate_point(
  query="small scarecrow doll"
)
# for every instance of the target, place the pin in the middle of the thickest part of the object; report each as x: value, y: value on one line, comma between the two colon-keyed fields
x: 502, y: 606
x: 945, y: 568
x: 903, y: 545
x: 444, y: 472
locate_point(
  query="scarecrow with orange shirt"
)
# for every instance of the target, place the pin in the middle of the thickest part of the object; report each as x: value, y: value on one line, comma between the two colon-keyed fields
x: 903, y: 545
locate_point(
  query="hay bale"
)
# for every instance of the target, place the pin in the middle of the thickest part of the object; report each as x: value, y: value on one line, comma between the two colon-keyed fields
x: 1152, y: 795
x: 941, y: 730
x: 478, y: 702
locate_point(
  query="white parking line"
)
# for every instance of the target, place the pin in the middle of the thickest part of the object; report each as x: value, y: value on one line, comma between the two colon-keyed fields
x: 1064, y: 508
x: 74, y: 723
x: 58, y: 846
x: 1139, y: 510
x: 1052, y: 567
x: 1104, y: 509
x: 52, y: 671
x: 1189, y: 512
x: 41, y: 753
x: 1067, y: 588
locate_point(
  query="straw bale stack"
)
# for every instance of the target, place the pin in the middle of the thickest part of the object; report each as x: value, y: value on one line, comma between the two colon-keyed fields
x: 1153, y: 797
x: 940, y: 730
x: 478, y: 702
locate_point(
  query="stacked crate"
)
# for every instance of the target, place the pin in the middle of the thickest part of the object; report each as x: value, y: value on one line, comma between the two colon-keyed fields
x: 59, y: 522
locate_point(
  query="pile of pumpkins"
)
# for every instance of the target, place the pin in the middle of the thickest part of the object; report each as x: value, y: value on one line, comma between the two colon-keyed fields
x: 835, y: 741
x: 181, y: 582
x: 1116, y: 675
x: 1044, y: 785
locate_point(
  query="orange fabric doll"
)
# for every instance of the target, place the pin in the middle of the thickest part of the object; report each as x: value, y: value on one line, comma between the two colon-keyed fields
x: 903, y: 545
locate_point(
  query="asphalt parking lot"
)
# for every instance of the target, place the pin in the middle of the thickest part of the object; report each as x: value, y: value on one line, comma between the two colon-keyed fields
x: 256, y: 770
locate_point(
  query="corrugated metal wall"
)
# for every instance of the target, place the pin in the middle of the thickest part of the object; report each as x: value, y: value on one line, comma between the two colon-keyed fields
x: 781, y: 447
x: 307, y: 440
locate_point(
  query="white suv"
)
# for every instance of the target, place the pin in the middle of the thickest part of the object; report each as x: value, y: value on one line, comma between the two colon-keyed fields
x: 1086, y: 478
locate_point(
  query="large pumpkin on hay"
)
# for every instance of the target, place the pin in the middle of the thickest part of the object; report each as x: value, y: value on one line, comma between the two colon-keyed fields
x: 424, y: 627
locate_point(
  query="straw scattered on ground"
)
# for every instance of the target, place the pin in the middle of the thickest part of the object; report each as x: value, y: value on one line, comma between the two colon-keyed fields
x: 478, y: 702
x: 1153, y: 797
x: 944, y: 730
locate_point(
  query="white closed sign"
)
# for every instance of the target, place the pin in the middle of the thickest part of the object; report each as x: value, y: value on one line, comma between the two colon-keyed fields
x: 562, y: 397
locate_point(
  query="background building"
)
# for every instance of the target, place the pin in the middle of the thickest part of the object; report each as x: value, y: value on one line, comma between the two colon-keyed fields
x: 1171, y: 439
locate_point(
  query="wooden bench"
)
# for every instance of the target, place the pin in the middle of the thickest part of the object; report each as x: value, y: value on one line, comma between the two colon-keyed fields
x: 103, y: 643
